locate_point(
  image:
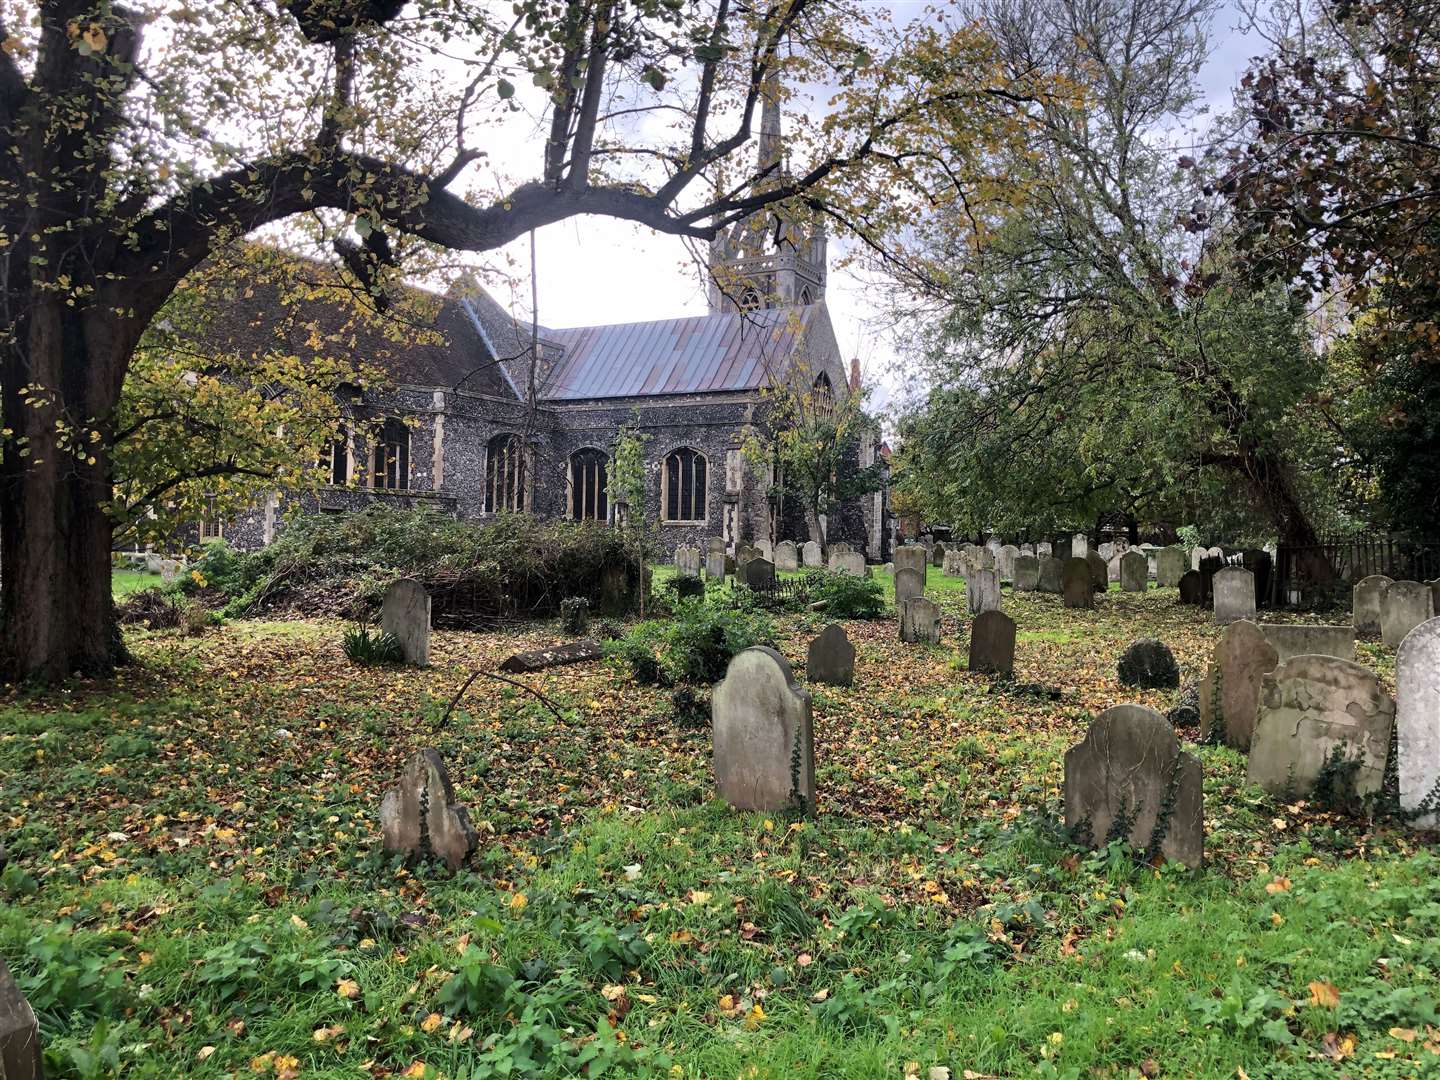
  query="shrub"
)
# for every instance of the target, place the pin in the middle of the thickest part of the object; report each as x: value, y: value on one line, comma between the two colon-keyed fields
x: 848, y: 597
x: 364, y: 646
x: 686, y: 586
x: 574, y: 615
x: 692, y: 648
x: 1150, y: 665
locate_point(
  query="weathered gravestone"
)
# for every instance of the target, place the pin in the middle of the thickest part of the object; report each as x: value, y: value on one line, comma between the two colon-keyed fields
x: 1130, y: 770
x: 937, y: 555
x: 992, y: 644
x: 1217, y: 553
x: 1192, y: 588
x: 1417, y: 722
x: 1435, y: 594
x: 1234, y: 595
x: 787, y: 555
x: 1404, y: 605
x: 831, y: 658
x: 1052, y: 575
x: 153, y: 563
x: 405, y: 614
x: 1099, y: 572
x: 984, y: 559
x: 811, y: 554
x: 574, y: 652
x: 908, y: 583
x: 1150, y: 665
x: 840, y: 547
x: 1317, y: 713
x: 1112, y: 568
x: 1027, y: 573
x: 1005, y: 562
x: 1079, y: 546
x: 1107, y: 551
x: 759, y: 573
x: 1230, y: 691
x: 764, y: 748
x: 848, y: 562
x: 982, y: 591
x: 913, y: 558
x: 1196, y: 556
x: 687, y: 560
x: 715, y: 545
x: 766, y: 549
x: 743, y: 554
x: 20, y: 1057
x: 420, y: 819
x: 1061, y: 550
x: 1298, y: 639
x: 1043, y: 548
x: 1169, y: 567
x: 170, y: 571
x: 1365, y: 605
x: 889, y: 568
x: 1259, y: 563
x: 920, y: 621
x: 1075, y: 584
x: 1134, y: 571
x: 1027, y: 549
x: 715, y: 564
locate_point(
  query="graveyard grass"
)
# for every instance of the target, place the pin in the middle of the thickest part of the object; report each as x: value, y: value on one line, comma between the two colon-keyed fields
x: 194, y: 886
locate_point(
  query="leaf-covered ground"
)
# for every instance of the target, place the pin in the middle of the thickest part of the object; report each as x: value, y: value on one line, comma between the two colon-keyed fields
x: 194, y: 886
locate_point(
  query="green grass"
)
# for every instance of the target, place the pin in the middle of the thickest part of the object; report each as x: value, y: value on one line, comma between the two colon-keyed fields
x: 195, y: 883
x: 124, y: 582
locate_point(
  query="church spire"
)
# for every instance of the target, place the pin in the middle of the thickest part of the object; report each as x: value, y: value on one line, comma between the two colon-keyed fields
x: 770, y: 154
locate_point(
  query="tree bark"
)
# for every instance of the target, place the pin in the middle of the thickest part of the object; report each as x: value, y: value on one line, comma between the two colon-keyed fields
x: 1271, y: 482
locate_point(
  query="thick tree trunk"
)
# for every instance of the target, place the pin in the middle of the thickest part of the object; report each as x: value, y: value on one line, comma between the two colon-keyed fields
x: 57, y: 616
x: 1272, y: 484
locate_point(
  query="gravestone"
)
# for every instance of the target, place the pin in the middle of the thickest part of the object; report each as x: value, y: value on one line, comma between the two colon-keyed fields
x: 1112, y: 568
x: 840, y: 547
x: 1435, y: 594
x: 1234, y: 595
x: 1365, y: 605
x: 1217, y: 553
x: 1052, y: 575
x: 405, y: 613
x: 1230, y: 691
x: 831, y: 658
x: 1043, y: 548
x: 908, y: 583
x: 1259, y: 563
x: 848, y: 562
x: 920, y: 621
x: 574, y: 652
x: 744, y: 553
x: 1134, y: 572
x: 1005, y: 562
x: 1128, y: 767
x: 715, y: 564
x: 766, y: 549
x: 937, y: 555
x: 1209, y: 567
x: 913, y: 558
x: 787, y: 555
x: 1150, y: 665
x: 1027, y: 549
x: 1169, y: 567
x: 992, y: 644
x: 811, y: 554
x: 686, y: 586
x: 1099, y: 572
x: 687, y: 560
x: 1027, y: 573
x: 1309, y: 707
x: 420, y: 819
x: 763, y: 742
x: 153, y: 563
x: 1107, y: 551
x: 1404, y: 605
x: 1075, y: 584
x: 1061, y: 550
x: 169, y: 571
x: 759, y: 573
x: 1196, y: 555
x: 982, y: 591
x: 1192, y: 588
x: 1417, y: 721
x: 1079, y: 546
x: 20, y: 1057
x: 984, y: 560
x: 1298, y: 639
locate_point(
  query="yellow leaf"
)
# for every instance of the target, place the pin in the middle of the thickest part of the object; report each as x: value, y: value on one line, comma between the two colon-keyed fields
x: 431, y: 1023
x: 1403, y: 1034
x: 1324, y: 994
x: 518, y: 901
x: 347, y: 988
x: 204, y: 1052
x: 1279, y: 885
x: 755, y: 1017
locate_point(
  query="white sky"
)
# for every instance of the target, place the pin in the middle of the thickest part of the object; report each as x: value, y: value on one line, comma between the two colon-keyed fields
x: 599, y: 270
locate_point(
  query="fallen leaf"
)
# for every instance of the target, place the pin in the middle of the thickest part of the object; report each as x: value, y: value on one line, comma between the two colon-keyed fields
x: 1324, y: 994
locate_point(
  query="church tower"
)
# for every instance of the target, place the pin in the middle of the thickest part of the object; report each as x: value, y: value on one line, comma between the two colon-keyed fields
x: 768, y: 260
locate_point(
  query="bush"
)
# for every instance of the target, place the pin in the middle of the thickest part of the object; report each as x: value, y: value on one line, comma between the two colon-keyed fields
x: 1150, y: 665
x: 848, y: 597
x: 364, y: 646
x: 692, y: 648
x: 574, y: 615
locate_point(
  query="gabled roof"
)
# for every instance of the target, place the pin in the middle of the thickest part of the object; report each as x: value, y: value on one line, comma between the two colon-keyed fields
x: 700, y: 354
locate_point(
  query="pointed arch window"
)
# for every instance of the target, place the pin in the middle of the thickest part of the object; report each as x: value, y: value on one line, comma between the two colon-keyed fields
x: 823, y: 396
x: 805, y: 300
x: 751, y: 300
x: 504, y: 474
x: 682, y: 485
x: 589, y: 485
x: 390, y: 462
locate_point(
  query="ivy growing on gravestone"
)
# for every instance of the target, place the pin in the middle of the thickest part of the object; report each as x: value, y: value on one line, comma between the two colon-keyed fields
x: 1216, y: 735
x: 1335, y: 786
x: 1124, y: 822
x: 1166, y: 812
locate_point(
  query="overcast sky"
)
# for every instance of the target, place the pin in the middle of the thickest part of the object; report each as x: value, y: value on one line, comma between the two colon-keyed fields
x: 598, y: 270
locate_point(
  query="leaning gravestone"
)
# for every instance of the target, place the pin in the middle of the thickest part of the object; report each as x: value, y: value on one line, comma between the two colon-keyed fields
x: 1404, y: 605
x: 831, y: 658
x: 759, y: 573
x: 405, y: 614
x: 812, y: 555
x: 908, y: 583
x: 1169, y: 566
x: 1134, y: 571
x: 1234, y: 595
x: 848, y: 562
x: 1075, y: 584
x: 787, y: 555
x: 20, y: 1057
x: 1365, y: 605
x: 992, y: 644
x: 1298, y: 639
x: 1052, y: 575
x: 920, y: 621
x: 1230, y: 691
x: 1417, y: 722
x: 1192, y: 588
x: 420, y: 819
x: 1099, y: 572
x: 1311, y: 706
x: 982, y: 591
x: 1027, y: 573
x: 764, y: 749
x: 912, y: 557
x: 1130, y: 770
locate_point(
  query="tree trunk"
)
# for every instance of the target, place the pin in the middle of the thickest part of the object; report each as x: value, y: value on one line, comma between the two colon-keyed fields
x: 1270, y: 480
x: 57, y: 616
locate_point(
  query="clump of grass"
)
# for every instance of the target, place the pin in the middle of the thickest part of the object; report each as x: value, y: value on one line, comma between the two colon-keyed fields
x: 369, y: 647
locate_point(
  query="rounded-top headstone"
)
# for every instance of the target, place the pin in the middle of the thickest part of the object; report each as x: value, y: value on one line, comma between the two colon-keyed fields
x: 763, y: 745
x: 1404, y: 605
x: 1417, y: 722
x: 831, y: 658
x: 1027, y: 573
x: 992, y: 644
x: 1234, y: 588
x: 1192, y: 588
x: 1230, y: 691
x: 1052, y: 575
x: 1134, y: 571
x: 1365, y: 601
x: 1150, y: 665
x: 1099, y: 571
